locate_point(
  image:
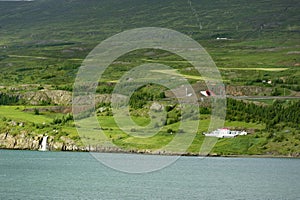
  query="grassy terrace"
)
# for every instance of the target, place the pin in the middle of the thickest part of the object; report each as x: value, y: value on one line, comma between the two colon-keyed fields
x: 250, y: 144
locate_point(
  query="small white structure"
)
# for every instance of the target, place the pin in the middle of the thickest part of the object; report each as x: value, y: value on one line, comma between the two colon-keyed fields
x: 222, y: 38
x: 225, y: 133
x: 270, y: 82
x: 207, y: 93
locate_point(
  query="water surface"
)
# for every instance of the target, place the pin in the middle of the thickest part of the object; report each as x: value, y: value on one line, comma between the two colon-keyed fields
x: 68, y: 175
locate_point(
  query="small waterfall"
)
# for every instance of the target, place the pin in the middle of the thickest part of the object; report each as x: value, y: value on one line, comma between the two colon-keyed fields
x: 44, y: 146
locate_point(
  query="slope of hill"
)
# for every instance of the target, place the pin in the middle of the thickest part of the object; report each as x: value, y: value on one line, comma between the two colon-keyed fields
x: 255, y: 45
x: 44, y: 41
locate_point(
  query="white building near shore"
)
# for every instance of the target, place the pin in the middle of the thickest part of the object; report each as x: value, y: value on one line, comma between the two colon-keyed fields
x: 225, y: 133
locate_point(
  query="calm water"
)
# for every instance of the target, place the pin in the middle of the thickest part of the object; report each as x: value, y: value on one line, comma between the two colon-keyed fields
x: 60, y: 175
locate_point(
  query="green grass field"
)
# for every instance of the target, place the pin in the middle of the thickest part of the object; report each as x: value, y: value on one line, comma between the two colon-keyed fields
x: 106, y: 130
x: 17, y: 113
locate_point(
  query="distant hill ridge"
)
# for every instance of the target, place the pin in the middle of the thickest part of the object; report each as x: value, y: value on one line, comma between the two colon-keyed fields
x: 87, y: 20
x: 45, y: 41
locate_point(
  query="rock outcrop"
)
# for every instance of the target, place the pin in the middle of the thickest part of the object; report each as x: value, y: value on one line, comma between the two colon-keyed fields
x: 58, y: 97
x: 156, y: 107
x: 25, y: 141
x: 248, y: 91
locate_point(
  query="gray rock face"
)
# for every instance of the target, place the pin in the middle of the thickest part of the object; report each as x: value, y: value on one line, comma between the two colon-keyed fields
x: 156, y: 107
x: 105, y: 98
x: 247, y: 90
x: 59, y: 97
x: 7, y: 141
x: 25, y: 141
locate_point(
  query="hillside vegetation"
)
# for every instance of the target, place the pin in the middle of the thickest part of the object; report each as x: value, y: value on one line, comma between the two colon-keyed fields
x: 255, y: 45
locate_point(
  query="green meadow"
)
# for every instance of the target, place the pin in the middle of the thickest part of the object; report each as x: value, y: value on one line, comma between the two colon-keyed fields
x: 109, y: 131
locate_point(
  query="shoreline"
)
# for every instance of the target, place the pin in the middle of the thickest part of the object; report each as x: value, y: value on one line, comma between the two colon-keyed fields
x: 168, y: 154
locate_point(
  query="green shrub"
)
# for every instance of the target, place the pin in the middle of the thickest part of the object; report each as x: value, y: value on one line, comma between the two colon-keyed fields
x: 36, y: 111
x: 169, y: 130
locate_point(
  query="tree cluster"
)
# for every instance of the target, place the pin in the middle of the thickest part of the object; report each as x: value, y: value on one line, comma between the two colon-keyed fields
x: 275, y: 116
x: 6, y: 99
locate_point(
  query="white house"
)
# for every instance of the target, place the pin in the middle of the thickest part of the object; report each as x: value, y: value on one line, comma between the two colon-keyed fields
x: 225, y: 133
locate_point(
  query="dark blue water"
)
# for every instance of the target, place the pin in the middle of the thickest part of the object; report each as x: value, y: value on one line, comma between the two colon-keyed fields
x: 60, y: 175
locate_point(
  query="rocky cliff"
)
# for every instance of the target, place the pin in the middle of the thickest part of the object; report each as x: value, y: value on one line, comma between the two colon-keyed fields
x: 25, y: 141
x: 58, y: 97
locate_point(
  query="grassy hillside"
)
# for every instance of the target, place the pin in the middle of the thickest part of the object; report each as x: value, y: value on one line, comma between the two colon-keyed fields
x: 43, y: 43
x: 259, y: 143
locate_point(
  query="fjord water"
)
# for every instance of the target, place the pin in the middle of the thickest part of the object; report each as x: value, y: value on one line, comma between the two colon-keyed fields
x: 68, y: 175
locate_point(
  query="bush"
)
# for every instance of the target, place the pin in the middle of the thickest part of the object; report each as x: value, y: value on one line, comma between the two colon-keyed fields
x: 57, y: 121
x: 6, y: 99
x: 36, y: 111
x: 171, y: 121
x: 169, y: 108
x: 278, y: 138
x: 270, y: 135
x: 169, y: 130
x: 63, y: 120
x: 40, y: 87
x: 205, y: 110
x: 39, y: 126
